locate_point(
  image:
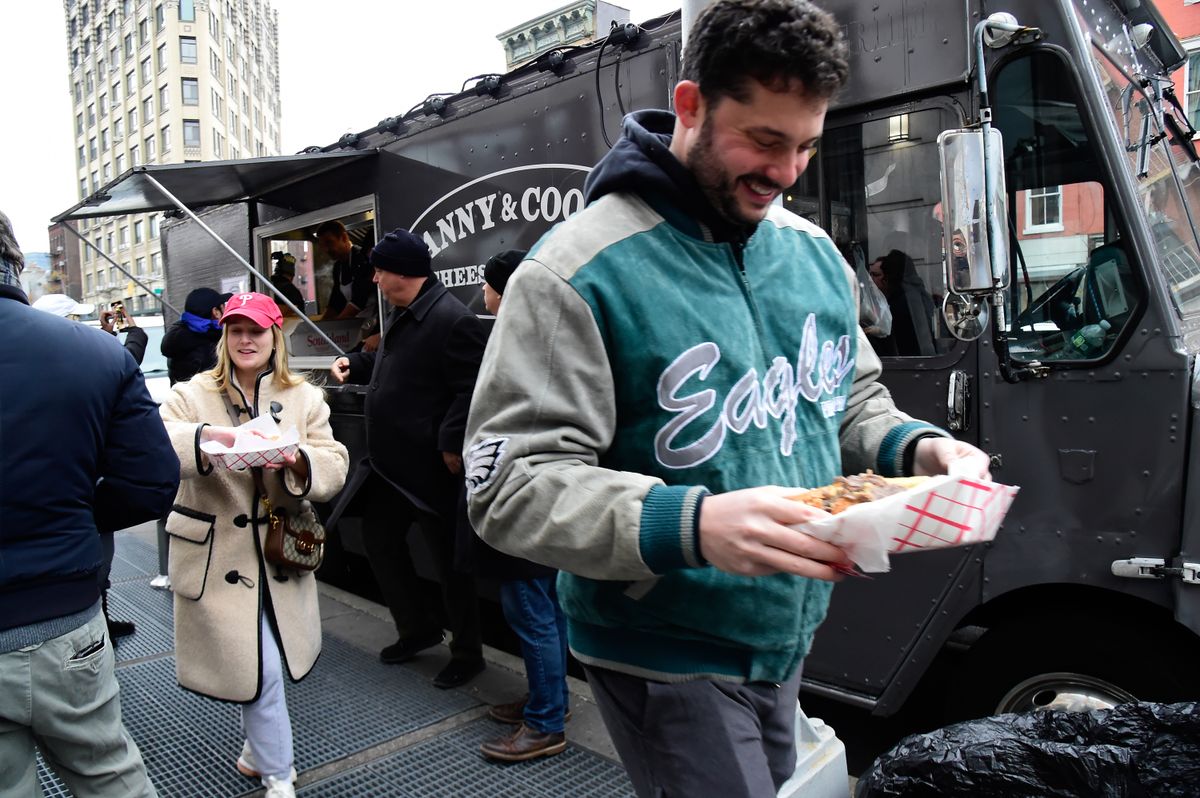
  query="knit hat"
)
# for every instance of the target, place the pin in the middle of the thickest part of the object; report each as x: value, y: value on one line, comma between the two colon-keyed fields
x: 201, y: 302
x: 401, y: 252
x: 62, y: 305
x: 285, y: 262
x: 258, y: 308
x: 500, y: 267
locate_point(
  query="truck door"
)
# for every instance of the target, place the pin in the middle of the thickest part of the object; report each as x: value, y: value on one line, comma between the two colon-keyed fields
x: 877, y: 191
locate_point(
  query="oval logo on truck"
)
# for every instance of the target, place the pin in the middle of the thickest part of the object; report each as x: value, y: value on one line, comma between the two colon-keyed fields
x: 509, y: 209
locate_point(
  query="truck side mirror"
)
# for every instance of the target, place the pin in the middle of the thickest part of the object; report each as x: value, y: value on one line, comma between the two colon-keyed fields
x: 974, y: 265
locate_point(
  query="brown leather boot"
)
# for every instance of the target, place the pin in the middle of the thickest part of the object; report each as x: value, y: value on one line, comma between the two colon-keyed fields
x: 524, y: 743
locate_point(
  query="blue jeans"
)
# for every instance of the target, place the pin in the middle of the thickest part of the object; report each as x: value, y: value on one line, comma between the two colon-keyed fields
x: 531, y: 608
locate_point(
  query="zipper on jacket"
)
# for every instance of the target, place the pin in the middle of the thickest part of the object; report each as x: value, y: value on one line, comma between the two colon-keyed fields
x: 738, y: 248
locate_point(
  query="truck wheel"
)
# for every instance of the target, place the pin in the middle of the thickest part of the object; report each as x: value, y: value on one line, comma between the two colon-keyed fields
x: 1067, y: 661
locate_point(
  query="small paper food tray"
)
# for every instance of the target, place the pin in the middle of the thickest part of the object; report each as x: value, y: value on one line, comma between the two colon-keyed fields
x: 943, y: 511
x: 259, y: 442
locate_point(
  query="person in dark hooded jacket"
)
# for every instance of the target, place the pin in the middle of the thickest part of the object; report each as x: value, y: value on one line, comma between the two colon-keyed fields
x: 84, y: 455
x: 190, y: 344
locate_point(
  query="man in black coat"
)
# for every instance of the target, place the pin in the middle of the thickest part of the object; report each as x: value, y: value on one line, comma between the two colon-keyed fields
x: 84, y: 454
x: 421, y: 381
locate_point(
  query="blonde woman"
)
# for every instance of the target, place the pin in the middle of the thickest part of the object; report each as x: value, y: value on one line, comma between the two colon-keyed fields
x: 240, y: 620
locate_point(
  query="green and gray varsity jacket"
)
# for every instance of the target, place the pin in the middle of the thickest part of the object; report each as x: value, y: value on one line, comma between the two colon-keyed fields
x: 635, y: 368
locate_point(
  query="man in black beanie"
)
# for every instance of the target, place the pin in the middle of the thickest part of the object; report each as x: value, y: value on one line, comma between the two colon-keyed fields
x: 421, y: 382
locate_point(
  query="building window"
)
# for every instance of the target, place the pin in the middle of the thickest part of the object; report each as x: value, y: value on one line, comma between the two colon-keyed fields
x: 165, y: 139
x: 139, y: 233
x: 147, y: 109
x: 123, y: 237
x: 187, y: 49
x: 129, y: 45
x: 191, y: 132
x: 1043, y: 210
x: 130, y: 84
x: 160, y: 18
x: 164, y: 98
x: 187, y: 10
x: 78, y: 124
x: 106, y: 172
x: 145, y: 71
x: 118, y: 128
x: 90, y: 81
x: 82, y: 155
x: 161, y: 56
x: 218, y: 143
x: 1192, y: 83
x: 103, y: 103
x: 150, y: 148
x: 191, y: 91
x: 214, y: 25
x: 156, y: 264
x: 116, y: 94
x: 104, y: 139
x: 218, y: 107
x: 140, y: 265
x: 214, y: 63
x: 119, y: 164
x: 135, y: 156
x: 143, y: 32
x: 132, y: 120
x: 91, y: 114
x: 92, y: 151
x: 154, y: 226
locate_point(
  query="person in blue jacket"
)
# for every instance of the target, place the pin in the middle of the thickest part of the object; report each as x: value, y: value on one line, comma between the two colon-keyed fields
x: 83, y: 454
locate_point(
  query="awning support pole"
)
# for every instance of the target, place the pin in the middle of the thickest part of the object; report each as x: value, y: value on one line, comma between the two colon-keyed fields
x: 118, y: 266
x: 212, y: 234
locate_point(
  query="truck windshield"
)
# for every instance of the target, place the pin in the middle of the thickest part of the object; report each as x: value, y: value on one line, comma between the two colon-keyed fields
x: 1166, y: 180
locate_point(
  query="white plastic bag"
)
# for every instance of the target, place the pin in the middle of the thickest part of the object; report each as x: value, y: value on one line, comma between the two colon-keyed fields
x: 873, y: 312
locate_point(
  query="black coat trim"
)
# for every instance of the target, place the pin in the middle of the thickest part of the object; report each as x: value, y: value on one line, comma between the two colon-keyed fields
x: 200, y: 455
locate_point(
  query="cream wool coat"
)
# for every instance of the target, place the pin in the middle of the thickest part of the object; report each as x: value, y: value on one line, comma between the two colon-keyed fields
x: 218, y: 574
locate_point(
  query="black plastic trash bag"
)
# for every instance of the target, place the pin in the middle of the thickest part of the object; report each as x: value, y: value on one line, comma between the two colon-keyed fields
x: 1137, y: 749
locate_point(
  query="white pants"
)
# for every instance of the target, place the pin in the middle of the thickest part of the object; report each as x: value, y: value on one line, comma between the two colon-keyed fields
x: 265, y: 722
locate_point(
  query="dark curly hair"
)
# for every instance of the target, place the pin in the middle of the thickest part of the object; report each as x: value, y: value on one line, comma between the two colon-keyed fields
x: 777, y: 42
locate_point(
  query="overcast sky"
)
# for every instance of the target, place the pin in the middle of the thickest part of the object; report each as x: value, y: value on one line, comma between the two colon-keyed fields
x: 339, y: 73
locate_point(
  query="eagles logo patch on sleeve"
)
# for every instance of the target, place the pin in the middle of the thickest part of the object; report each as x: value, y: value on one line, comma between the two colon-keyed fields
x: 483, y: 463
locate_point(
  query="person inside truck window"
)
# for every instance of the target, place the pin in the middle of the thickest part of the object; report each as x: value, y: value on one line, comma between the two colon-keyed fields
x: 282, y: 277
x: 242, y: 622
x: 593, y: 443
x: 352, y: 289
x: 912, y: 306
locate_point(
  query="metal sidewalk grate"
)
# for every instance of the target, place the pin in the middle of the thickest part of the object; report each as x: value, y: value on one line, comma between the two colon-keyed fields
x: 350, y: 702
x: 133, y: 560
x: 451, y: 766
x: 152, y: 616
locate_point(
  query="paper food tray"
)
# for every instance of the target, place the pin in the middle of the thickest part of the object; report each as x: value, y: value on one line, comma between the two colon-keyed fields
x: 943, y: 511
x: 259, y: 442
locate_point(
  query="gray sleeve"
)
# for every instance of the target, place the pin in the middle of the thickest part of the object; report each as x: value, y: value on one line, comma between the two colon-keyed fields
x: 542, y: 415
x: 874, y: 433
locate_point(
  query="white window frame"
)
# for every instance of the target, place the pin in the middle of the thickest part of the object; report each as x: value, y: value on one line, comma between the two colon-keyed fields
x: 1049, y: 227
x: 1192, y: 47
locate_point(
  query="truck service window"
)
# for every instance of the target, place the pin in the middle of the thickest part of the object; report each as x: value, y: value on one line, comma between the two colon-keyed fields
x: 880, y: 207
x: 1073, y: 285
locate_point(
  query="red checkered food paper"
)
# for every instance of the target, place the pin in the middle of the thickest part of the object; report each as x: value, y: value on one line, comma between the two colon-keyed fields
x: 943, y: 511
x: 259, y: 442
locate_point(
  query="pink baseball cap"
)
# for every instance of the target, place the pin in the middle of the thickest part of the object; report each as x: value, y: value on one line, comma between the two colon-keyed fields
x: 258, y: 308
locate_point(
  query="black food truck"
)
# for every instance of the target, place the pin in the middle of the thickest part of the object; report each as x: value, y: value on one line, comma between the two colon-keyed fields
x: 1052, y: 278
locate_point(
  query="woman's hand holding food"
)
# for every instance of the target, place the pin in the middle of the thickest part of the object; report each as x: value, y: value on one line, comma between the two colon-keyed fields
x: 222, y: 435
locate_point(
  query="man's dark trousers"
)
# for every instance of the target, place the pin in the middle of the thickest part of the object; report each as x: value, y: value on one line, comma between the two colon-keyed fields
x: 385, y: 536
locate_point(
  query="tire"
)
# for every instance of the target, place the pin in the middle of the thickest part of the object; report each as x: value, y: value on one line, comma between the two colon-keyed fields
x: 1072, y: 661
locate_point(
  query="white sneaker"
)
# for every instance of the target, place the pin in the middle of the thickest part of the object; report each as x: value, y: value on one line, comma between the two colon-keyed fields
x: 278, y: 788
x: 161, y: 582
x: 248, y: 767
